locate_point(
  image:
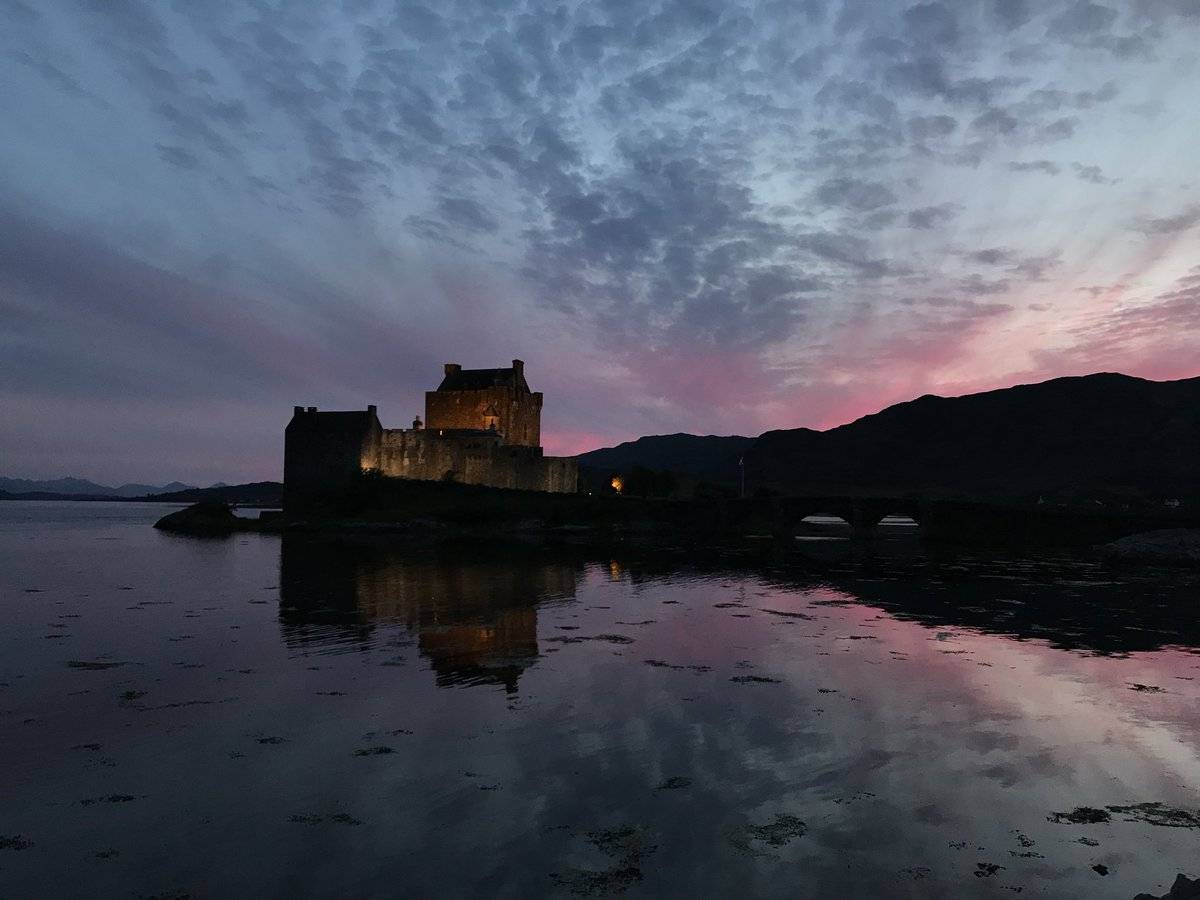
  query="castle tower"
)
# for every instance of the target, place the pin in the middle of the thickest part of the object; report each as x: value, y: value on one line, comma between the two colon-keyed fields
x: 493, y: 400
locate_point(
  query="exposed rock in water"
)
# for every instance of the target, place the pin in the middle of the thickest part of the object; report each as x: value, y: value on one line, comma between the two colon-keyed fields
x: 207, y: 517
x: 1176, y: 546
x: 1184, y: 888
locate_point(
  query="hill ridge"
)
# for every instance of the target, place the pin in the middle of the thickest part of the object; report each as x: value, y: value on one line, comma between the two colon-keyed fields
x: 1080, y: 437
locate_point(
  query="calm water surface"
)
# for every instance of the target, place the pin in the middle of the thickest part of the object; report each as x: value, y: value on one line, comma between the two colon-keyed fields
x: 267, y: 717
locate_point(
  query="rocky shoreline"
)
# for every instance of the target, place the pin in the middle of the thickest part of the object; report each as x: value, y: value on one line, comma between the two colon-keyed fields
x: 1172, y: 546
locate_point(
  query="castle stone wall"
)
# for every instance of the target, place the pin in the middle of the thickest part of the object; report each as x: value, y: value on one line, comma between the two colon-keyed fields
x: 426, y: 455
x: 520, y: 415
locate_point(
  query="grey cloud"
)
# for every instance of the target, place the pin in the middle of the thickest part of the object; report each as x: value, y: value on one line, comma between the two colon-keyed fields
x: 54, y: 75
x: 666, y: 247
x: 1082, y: 18
x: 437, y: 232
x: 1088, y: 24
x: 925, y: 75
x: 883, y: 45
x: 178, y: 156
x: 855, y: 194
x: 847, y: 250
x: 1012, y: 14
x: 1130, y: 46
x: 992, y: 256
x: 1182, y: 221
x: 928, y: 75
x: 964, y: 308
x: 192, y: 127
x: 878, y: 220
x: 183, y: 96
x: 1053, y: 99
x: 1094, y: 174
x: 1025, y: 54
x: 467, y: 213
x: 995, y: 121
x: 857, y: 96
x: 932, y: 23
x: 1034, y: 268
x: 1037, y: 165
x: 925, y: 127
x: 19, y: 11
x: 1029, y: 268
x: 588, y: 42
x: 853, y: 15
x: 1088, y: 99
x: 1058, y: 130
x: 982, y: 91
x: 978, y: 286
x: 421, y: 23
x: 134, y: 21
x: 860, y: 148
x: 810, y: 63
x: 1160, y: 10
x: 930, y: 217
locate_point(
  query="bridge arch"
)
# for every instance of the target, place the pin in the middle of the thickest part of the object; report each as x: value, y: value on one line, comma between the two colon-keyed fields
x: 862, y: 515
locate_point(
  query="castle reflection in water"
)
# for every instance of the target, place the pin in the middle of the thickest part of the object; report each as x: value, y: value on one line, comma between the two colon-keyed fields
x: 474, y: 616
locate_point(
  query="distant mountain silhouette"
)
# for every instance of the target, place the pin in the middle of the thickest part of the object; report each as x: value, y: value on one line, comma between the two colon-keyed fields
x: 1071, y: 439
x: 688, y: 454
x: 257, y: 493
x: 81, y: 487
x: 54, y: 486
x: 143, y: 490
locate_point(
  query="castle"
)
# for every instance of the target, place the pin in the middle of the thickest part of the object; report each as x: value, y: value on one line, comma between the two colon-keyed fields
x: 482, y: 426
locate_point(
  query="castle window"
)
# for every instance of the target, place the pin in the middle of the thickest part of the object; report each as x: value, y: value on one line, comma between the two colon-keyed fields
x: 491, y: 419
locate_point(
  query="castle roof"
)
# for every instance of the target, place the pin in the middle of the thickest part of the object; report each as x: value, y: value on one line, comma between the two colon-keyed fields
x: 482, y: 379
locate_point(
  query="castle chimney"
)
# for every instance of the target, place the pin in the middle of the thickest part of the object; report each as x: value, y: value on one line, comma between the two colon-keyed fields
x: 312, y: 409
x: 453, y: 368
x: 372, y: 409
x: 519, y: 367
x: 297, y: 410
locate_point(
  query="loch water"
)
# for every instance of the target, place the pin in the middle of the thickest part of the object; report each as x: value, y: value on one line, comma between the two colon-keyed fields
x: 260, y: 716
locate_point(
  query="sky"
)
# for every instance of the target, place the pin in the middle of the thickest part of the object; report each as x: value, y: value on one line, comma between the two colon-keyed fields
x: 684, y: 215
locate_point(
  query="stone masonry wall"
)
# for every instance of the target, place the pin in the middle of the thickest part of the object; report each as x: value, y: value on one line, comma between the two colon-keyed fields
x: 427, y: 456
x: 520, y: 415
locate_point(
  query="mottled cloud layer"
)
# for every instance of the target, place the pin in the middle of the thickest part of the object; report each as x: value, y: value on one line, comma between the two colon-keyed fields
x: 685, y: 215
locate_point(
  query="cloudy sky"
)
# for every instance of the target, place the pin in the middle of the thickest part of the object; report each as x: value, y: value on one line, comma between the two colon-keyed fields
x: 717, y: 217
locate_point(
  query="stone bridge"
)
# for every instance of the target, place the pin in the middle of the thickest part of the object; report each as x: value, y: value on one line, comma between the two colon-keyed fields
x: 953, y: 521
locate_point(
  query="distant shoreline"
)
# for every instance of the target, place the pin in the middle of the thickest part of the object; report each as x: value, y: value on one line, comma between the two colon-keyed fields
x: 421, y: 511
x: 264, y: 494
x: 93, y: 498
